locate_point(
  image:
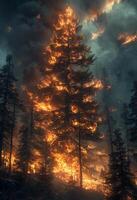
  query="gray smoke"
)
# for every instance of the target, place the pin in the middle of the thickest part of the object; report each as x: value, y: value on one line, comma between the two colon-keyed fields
x: 119, y: 60
x: 28, y: 30
x: 26, y: 26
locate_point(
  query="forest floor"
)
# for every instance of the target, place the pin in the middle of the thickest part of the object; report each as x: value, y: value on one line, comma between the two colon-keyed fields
x: 32, y: 188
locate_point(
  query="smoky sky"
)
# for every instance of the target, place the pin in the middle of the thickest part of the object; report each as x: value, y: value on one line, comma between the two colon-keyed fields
x: 26, y: 26
x: 119, y: 60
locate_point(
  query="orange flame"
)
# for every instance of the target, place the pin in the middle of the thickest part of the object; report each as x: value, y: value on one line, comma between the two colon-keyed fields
x: 106, y: 8
x: 64, y: 154
x: 97, y: 84
x: 51, y: 137
x: 5, y: 157
x: 126, y: 38
x: 98, y: 33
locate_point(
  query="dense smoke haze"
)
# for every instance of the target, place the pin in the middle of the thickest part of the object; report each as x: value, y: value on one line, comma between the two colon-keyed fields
x: 26, y: 26
x: 65, y: 116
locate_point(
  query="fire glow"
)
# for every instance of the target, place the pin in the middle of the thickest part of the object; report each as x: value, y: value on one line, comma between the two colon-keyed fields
x: 109, y: 5
x: 97, y: 34
x: 64, y: 153
x: 106, y: 8
x: 126, y: 38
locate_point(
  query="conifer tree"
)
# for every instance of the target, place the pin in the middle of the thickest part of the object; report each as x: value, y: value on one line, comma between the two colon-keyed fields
x: 106, y: 99
x: 126, y: 122
x: 131, y: 122
x: 24, y: 147
x: 120, y: 179
x: 66, y: 94
x: 9, y: 101
x: 43, y: 158
x: 24, y: 155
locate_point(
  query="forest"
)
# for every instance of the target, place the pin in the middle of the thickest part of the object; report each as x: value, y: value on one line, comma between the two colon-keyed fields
x: 61, y: 135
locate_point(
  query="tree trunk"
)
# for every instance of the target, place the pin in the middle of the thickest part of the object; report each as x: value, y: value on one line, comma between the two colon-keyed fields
x: 1, y: 147
x: 109, y: 129
x: 80, y: 160
x: 11, y: 139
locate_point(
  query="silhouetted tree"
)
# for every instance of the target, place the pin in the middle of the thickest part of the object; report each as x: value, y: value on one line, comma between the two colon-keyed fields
x: 120, y: 179
x: 126, y: 122
x: 9, y: 100
x: 132, y: 120
x: 25, y: 141
x: 106, y: 108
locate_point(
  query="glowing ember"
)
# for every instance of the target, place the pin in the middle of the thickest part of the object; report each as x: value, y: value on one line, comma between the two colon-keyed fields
x: 88, y: 98
x: 74, y: 109
x: 51, y: 137
x: 93, y: 128
x: 61, y: 88
x: 100, y: 119
x: 75, y: 122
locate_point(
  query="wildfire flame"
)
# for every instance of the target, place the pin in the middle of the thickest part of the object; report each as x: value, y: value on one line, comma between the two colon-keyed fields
x: 106, y: 8
x: 126, y: 38
x: 51, y: 137
x: 65, y: 154
x: 6, y: 156
x: 109, y: 5
x: 97, y: 34
x: 97, y: 84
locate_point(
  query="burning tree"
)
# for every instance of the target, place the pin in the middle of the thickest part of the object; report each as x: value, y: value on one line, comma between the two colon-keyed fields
x: 65, y: 98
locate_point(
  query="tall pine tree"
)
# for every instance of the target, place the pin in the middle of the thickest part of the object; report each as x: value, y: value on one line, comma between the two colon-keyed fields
x: 66, y: 94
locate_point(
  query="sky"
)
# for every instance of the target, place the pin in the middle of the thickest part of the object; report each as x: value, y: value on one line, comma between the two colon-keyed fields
x: 26, y: 26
